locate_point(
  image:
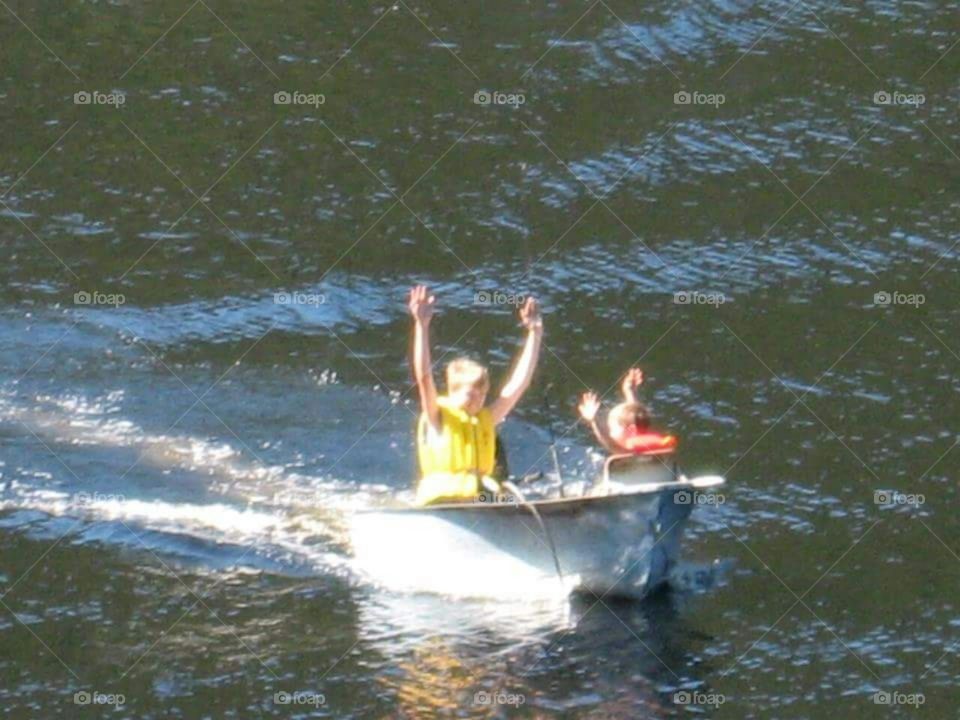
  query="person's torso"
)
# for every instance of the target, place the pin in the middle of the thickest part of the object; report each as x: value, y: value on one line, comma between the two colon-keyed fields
x: 646, y: 442
x: 455, y: 457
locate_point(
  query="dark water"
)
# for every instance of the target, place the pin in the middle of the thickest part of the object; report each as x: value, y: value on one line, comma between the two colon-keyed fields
x: 174, y: 470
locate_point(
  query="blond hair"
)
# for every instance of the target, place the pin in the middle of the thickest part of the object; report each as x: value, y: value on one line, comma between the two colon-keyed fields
x: 464, y: 371
x: 629, y: 413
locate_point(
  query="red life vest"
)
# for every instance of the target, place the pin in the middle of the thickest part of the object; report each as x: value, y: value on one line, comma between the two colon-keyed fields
x: 649, y: 443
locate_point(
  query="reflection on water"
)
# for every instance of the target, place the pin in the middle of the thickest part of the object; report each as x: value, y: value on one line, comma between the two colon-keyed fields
x: 467, y: 656
x: 444, y: 656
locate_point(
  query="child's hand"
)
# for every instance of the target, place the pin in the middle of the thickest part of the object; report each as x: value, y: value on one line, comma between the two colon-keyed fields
x: 530, y: 315
x: 421, y: 304
x: 631, y: 380
x: 589, y: 406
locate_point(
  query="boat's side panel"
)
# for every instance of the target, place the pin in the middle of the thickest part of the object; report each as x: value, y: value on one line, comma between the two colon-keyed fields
x: 617, y: 545
x: 625, y: 549
x: 418, y: 552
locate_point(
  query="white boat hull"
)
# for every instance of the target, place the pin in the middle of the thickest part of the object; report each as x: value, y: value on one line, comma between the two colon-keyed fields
x: 621, y: 544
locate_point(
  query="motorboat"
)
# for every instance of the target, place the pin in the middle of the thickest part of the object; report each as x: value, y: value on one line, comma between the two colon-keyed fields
x: 619, y: 538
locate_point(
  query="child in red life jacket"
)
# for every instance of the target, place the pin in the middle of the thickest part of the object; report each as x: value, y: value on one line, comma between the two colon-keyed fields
x: 628, y: 424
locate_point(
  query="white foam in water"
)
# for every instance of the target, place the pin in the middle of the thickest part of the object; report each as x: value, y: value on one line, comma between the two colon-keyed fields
x: 80, y: 421
x: 152, y: 514
x: 262, y: 504
x: 271, y: 534
x: 167, y: 516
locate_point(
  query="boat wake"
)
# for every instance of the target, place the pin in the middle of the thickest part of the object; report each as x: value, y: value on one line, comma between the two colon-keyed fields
x: 199, y: 501
x: 92, y: 475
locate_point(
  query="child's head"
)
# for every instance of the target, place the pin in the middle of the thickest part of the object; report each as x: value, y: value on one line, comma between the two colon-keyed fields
x: 625, y: 416
x: 467, y: 384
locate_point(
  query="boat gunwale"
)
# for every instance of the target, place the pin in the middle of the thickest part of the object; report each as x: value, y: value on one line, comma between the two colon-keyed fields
x: 550, y: 504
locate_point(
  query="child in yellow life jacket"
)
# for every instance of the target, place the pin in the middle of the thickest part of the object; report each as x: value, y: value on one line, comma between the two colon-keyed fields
x: 456, y: 432
x: 628, y: 424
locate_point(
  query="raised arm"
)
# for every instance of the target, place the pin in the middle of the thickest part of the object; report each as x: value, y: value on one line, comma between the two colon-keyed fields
x: 525, y: 365
x: 421, y: 308
x: 631, y: 381
x: 589, y: 406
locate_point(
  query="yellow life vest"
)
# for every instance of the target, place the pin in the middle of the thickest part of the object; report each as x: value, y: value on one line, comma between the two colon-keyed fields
x: 453, y: 460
